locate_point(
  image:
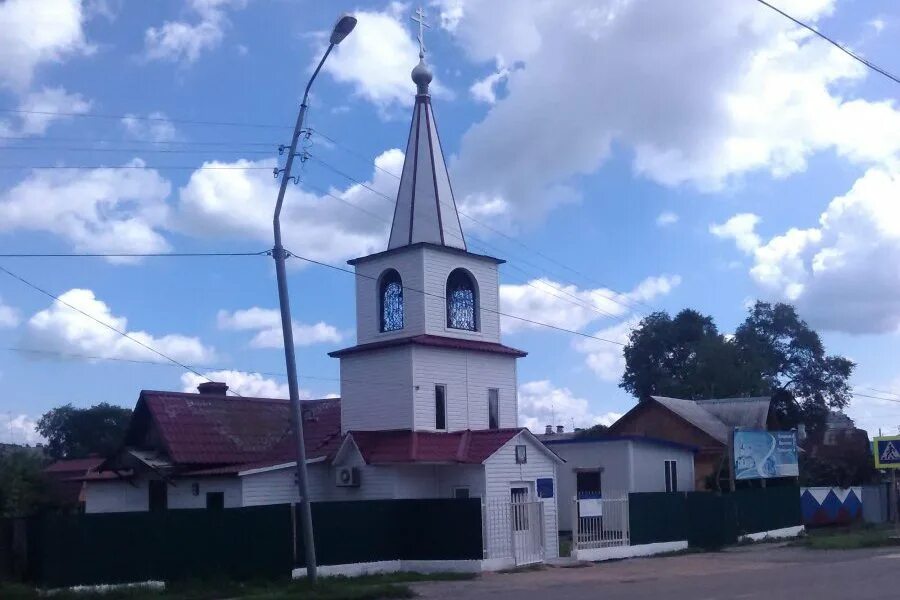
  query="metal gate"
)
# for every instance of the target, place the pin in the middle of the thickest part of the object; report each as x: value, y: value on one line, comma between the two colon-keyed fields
x: 600, y: 522
x: 514, y: 530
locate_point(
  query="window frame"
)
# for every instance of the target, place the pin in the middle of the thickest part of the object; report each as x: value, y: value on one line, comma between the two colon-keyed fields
x: 459, y: 488
x: 494, y: 408
x: 440, y: 407
x: 671, y: 470
x: 387, y: 277
x: 473, y: 285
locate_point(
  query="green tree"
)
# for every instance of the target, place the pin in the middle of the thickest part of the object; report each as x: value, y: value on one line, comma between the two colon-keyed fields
x: 23, y: 487
x: 78, y: 432
x: 684, y: 357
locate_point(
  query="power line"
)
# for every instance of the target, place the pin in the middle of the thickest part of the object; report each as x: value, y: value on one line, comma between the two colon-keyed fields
x: 855, y: 394
x: 840, y: 47
x: 138, y: 118
x: 135, y: 150
x: 134, y: 254
x: 105, y: 324
x: 138, y: 167
x: 83, y: 139
x: 882, y: 391
x: 490, y: 310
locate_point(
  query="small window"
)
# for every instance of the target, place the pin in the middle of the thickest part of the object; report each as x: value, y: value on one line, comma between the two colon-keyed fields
x: 521, y: 454
x: 440, y: 407
x: 158, y: 491
x: 390, y: 293
x: 671, y: 476
x: 493, y: 408
x: 460, y: 493
x: 588, y: 484
x: 215, y: 500
x: 462, y: 301
x: 518, y: 496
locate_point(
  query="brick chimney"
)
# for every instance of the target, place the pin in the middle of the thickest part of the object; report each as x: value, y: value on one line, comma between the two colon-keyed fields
x: 548, y: 430
x: 560, y: 429
x: 213, y: 388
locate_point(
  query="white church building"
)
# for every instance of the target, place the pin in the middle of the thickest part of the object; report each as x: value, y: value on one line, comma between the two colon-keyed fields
x: 428, y: 405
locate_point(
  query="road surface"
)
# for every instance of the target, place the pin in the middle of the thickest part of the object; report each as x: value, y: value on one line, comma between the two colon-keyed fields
x: 759, y: 572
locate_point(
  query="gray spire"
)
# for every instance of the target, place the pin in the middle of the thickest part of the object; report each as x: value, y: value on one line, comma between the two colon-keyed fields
x: 425, y: 210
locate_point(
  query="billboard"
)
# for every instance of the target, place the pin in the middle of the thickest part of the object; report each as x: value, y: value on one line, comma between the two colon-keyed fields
x: 765, y: 454
x: 887, y: 452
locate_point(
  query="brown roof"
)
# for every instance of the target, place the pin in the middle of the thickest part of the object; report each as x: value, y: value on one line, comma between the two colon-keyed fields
x: 73, y: 466
x: 434, y: 341
x: 215, y: 430
x: 405, y: 446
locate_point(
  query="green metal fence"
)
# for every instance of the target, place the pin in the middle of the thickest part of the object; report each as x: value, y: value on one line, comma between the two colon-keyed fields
x: 244, y: 543
x: 708, y: 519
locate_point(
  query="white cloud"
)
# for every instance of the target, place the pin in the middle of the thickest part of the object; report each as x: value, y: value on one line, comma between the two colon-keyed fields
x: 666, y: 218
x: 378, y: 57
x: 38, y: 32
x: 567, y: 306
x: 484, y: 90
x: 238, y: 203
x: 695, y: 100
x: 39, y: 108
x: 245, y: 384
x: 266, y: 322
x: 606, y: 359
x: 837, y: 272
x: 542, y: 404
x: 742, y: 229
x: 180, y: 41
x: 95, y: 210
x: 59, y: 328
x: 20, y: 429
x: 9, y: 316
x: 156, y: 127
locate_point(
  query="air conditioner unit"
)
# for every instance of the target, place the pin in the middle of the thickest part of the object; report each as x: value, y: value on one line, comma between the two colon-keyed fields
x: 347, y: 477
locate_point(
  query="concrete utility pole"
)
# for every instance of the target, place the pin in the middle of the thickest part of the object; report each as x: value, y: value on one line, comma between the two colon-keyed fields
x: 341, y: 29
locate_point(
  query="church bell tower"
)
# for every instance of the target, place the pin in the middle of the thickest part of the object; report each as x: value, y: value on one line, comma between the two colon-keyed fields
x: 428, y: 355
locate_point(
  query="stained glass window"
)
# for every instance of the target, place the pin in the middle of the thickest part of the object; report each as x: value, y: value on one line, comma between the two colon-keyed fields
x: 391, y: 301
x: 462, y: 306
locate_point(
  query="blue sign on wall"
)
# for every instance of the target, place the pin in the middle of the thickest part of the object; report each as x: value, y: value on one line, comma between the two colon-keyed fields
x: 544, y: 487
x: 765, y: 454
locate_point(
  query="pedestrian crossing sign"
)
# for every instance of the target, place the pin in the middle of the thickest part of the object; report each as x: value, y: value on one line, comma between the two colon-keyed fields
x: 887, y: 452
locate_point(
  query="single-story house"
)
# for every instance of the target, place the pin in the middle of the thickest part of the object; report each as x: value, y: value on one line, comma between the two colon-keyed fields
x: 65, y: 480
x: 613, y: 466
x: 703, y: 424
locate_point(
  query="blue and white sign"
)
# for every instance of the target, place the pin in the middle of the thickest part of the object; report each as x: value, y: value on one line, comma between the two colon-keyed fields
x: 765, y: 454
x: 887, y: 452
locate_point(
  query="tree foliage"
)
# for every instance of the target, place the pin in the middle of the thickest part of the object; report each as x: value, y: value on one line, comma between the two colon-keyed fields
x: 79, y: 432
x: 773, y: 352
x: 23, y: 487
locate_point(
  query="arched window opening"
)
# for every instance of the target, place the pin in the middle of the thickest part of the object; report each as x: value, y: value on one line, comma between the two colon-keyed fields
x: 391, y: 295
x: 462, y: 301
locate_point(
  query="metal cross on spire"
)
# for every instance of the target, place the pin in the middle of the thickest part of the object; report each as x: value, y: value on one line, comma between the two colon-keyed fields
x: 419, y: 17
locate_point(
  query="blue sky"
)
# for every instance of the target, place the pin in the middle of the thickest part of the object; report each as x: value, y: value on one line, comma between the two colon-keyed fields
x: 635, y: 156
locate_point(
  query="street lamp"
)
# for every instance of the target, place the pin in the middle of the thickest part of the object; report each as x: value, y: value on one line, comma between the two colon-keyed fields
x: 341, y: 30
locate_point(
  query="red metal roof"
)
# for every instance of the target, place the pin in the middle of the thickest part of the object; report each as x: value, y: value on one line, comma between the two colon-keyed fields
x: 210, y: 429
x: 435, y: 341
x: 405, y: 446
x: 77, y: 466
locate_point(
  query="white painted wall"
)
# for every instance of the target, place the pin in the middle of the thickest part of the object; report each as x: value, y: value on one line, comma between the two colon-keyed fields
x: 377, y: 390
x: 502, y: 472
x: 467, y: 375
x: 409, y: 263
x: 438, y: 264
x: 120, y: 496
x: 279, y: 487
x: 649, y: 467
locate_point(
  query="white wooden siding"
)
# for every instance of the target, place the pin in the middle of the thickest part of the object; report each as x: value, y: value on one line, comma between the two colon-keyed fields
x: 467, y: 375
x: 368, y: 318
x: 502, y: 472
x: 121, y: 496
x: 377, y: 390
x: 438, y: 264
x: 279, y: 487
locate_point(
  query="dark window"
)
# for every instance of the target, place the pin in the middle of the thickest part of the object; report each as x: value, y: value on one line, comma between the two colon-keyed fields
x: 588, y: 484
x: 390, y: 294
x: 518, y: 496
x: 521, y: 454
x: 461, y: 492
x: 671, y: 476
x: 462, y: 301
x: 215, y: 500
x: 440, y: 407
x: 493, y: 408
x: 158, y: 494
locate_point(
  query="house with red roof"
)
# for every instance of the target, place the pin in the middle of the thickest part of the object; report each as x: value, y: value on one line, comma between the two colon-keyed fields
x: 428, y: 405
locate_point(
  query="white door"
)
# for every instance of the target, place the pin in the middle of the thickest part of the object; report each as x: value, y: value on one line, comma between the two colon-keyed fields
x: 526, y: 524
